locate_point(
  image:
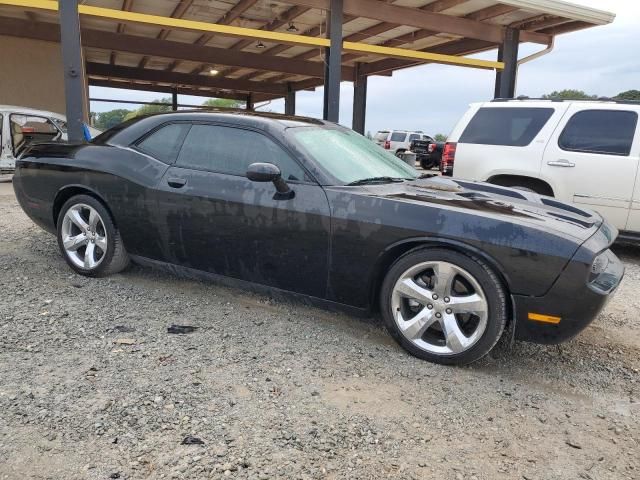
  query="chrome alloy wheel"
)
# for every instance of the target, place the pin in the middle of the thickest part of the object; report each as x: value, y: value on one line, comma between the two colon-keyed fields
x: 84, y: 237
x: 440, y: 308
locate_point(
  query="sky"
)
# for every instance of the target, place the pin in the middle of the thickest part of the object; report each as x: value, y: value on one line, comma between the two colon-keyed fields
x: 601, y: 61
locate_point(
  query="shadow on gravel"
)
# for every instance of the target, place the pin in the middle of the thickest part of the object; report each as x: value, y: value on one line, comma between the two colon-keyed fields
x: 628, y: 253
x: 572, y: 363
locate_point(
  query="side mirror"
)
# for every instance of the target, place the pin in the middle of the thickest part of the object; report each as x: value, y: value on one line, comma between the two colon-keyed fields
x: 268, y: 172
x: 263, y: 172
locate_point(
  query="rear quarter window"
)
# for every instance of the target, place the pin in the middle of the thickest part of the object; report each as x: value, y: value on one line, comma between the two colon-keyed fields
x: 604, y: 132
x: 398, y: 136
x: 165, y: 142
x: 514, y: 127
x: 382, y: 135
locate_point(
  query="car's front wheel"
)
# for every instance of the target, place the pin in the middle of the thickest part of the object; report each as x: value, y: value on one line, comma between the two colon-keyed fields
x: 88, y: 238
x: 443, y: 306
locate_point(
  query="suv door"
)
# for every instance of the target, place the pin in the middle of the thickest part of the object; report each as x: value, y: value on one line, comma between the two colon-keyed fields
x: 588, y: 160
x: 5, y: 147
x: 633, y: 222
x: 219, y: 221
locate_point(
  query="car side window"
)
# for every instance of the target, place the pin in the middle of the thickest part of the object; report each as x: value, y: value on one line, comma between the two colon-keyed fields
x: 605, y: 132
x: 231, y: 150
x: 165, y: 142
x: 398, y: 136
x: 513, y: 126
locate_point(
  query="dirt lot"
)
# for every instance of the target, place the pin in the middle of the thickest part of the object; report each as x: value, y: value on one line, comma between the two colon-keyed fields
x: 93, y: 387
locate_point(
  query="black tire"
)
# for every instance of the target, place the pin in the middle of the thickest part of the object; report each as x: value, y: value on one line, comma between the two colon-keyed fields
x: 491, y: 285
x: 427, y: 164
x: 399, y: 153
x: 115, y: 258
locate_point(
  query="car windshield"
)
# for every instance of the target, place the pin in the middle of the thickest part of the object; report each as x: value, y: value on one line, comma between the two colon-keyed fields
x: 349, y: 157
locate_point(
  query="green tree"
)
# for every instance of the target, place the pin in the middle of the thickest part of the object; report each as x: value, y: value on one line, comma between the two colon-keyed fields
x: 149, y: 109
x: 106, y: 120
x: 628, y: 95
x: 223, y: 103
x: 440, y: 137
x: 569, y: 95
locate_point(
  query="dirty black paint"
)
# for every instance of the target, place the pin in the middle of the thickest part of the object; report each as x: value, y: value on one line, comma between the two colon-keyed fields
x: 331, y: 242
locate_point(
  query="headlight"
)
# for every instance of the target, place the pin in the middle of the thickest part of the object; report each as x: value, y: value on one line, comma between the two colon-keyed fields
x: 600, y: 264
x: 606, y: 272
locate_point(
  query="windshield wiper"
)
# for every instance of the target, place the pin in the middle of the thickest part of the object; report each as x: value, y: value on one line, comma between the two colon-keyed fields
x: 366, y: 181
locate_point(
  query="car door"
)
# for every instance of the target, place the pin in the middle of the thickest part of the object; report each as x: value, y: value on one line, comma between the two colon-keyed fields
x: 633, y: 222
x: 588, y: 160
x: 4, y: 145
x: 218, y: 221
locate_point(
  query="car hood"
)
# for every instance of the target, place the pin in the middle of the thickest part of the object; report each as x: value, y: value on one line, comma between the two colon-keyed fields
x: 489, y: 200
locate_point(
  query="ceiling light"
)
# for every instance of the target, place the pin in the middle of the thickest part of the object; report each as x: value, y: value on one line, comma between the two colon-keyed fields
x: 213, y: 71
x: 260, y: 45
x: 292, y: 28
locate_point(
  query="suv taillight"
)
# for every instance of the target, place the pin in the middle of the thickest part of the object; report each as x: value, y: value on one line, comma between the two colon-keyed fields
x: 387, y: 145
x: 448, y: 158
x: 431, y: 148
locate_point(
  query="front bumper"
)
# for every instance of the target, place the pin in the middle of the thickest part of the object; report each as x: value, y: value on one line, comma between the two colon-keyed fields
x: 576, y: 297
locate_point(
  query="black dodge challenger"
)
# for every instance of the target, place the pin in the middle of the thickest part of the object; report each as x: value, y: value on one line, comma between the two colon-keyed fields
x: 312, y: 208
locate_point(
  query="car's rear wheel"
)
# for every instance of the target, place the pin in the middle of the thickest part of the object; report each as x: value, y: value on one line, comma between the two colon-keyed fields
x: 88, y: 238
x: 443, y: 306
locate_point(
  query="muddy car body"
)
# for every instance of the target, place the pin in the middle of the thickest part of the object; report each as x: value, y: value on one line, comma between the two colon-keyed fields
x: 448, y: 263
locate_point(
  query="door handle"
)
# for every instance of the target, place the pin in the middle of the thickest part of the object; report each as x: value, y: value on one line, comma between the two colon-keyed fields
x: 176, y: 182
x: 561, y: 163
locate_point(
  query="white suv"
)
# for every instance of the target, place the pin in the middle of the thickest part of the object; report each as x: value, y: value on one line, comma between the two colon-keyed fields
x: 398, y: 141
x: 582, y: 152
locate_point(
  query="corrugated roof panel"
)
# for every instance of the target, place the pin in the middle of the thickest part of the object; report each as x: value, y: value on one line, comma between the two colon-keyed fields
x: 470, y: 7
x: 115, y: 4
x: 163, y: 8
x: 512, y: 17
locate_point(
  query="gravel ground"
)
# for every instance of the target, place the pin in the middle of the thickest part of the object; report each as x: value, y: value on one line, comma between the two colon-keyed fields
x: 93, y: 387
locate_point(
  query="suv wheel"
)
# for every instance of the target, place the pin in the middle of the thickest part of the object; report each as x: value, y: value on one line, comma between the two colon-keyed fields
x: 88, y: 238
x: 443, y: 306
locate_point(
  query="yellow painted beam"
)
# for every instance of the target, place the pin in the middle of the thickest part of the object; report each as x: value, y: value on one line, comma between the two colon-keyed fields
x: 178, y: 23
x: 418, y: 55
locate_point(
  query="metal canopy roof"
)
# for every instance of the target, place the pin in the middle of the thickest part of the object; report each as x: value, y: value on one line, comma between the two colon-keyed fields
x: 128, y: 53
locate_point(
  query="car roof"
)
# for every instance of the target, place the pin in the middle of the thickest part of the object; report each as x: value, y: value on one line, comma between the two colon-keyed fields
x: 401, y: 131
x: 130, y: 130
x: 526, y: 101
x: 18, y: 109
x: 241, y: 116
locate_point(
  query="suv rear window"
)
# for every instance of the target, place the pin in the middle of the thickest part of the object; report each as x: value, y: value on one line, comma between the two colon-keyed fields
x: 382, y: 135
x: 608, y: 132
x: 514, y: 127
x: 398, y: 136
